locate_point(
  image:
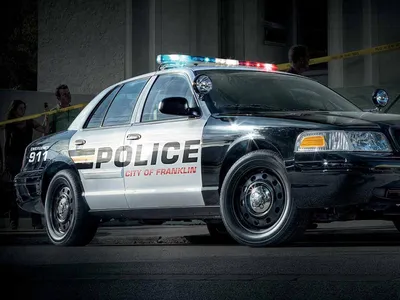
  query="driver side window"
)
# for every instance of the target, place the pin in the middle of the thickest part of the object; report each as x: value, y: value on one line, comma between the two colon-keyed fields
x: 168, y: 85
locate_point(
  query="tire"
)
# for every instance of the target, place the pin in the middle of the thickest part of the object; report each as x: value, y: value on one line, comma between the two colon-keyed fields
x: 71, y: 227
x: 277, y: 221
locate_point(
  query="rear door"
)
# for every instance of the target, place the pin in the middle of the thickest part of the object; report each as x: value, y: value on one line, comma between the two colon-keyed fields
x: 165, y: 170
x: 96, y: 147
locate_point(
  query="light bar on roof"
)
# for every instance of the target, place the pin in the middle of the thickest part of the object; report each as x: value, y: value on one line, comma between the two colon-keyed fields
x: 183, y: 60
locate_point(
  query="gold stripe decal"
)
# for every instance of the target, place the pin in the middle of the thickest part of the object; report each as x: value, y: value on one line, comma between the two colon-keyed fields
x: 83, y: 159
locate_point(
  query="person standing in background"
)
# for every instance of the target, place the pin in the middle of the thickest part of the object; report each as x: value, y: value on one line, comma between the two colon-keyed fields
x: 299, y: 59
x: 17, y: 137
x: 60, y: 121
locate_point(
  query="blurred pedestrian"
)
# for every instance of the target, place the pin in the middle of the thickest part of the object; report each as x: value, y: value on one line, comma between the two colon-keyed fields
x: 299, y: 59
x: 17, y: 137
x: 60, y: 121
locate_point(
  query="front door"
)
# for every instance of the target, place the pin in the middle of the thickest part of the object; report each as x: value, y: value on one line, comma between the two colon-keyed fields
x: 97, y: 148
x: 166, y: 165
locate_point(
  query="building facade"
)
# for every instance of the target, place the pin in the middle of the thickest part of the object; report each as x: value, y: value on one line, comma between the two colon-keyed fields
x: 91, y: 44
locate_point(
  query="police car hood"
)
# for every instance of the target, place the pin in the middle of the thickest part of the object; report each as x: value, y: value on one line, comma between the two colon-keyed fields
x: 362, y: 119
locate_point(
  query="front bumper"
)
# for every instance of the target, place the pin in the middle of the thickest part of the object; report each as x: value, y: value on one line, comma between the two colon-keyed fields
x: 335, y: 179
x: 28, y: 189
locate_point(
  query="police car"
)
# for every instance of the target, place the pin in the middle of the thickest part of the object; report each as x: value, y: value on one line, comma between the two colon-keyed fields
x: 245, y: 148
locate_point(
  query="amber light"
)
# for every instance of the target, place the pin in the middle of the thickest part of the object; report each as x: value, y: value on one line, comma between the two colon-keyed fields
x: 313, y: 141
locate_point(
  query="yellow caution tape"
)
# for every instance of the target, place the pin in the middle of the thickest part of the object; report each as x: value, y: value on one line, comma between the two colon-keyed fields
x: 324, y: 59
x: 51, y: 112
x: 281, y: 67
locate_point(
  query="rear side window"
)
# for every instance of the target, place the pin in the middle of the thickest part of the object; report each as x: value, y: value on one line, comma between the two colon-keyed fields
x: 121, y: 109
x: 97, y: 116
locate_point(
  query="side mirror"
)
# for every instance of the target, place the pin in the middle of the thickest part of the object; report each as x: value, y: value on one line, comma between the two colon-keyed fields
x: 178, y: 106
x: 380, y: 98
x: 202, y: 84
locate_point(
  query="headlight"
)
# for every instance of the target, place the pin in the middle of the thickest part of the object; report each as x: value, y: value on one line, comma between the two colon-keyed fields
x: 312, y: 141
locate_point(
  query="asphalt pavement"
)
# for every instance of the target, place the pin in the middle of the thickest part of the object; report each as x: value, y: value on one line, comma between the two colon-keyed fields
x: 341, y: 261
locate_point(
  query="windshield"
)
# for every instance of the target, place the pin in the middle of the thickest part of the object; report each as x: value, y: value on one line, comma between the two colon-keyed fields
x: 243, y: 90
x: 394, y: 107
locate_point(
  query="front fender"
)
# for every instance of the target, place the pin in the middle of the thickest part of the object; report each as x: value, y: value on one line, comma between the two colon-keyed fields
x: 40, y: 154
x: 243, y: 145
x: 251, y: 142
x: 43, y: 158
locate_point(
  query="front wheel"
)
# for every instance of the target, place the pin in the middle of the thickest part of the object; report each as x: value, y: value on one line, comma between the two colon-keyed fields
x: 256, y: 204
x: 68, y: 222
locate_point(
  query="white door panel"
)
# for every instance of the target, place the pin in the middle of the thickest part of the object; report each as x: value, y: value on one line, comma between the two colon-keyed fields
x: 103, y: 140
x: 102, y: 180
x: 166, y: 167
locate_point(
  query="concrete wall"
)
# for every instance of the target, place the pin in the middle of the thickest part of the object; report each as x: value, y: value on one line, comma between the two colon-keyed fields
x: 93, y: 43
x: 360, y: 24
x: 172, y: 26
x: 388, y: 31
x: 201, y: 27
x: 244, y: 32
x: 81, y: 43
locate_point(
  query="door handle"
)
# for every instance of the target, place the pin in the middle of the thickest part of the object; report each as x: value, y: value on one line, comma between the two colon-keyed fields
x: 80, y: 142
x: 133, y: 136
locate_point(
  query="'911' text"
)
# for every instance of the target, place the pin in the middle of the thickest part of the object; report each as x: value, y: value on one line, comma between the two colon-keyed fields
x: 37, y: 156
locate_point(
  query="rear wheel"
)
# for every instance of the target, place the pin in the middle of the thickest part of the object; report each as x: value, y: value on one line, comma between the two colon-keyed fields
x: 68, y: 222
x: 256, y: 204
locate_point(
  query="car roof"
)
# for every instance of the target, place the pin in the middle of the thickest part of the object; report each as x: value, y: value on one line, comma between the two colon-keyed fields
x: 239, y: 68
x: 203, y: 68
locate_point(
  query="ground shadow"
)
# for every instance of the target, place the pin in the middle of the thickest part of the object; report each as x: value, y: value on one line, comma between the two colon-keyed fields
x: 314, y: 238
x: 335, y: 238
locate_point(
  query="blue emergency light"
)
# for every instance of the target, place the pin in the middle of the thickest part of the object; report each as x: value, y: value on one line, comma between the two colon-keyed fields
x: 182, y: 60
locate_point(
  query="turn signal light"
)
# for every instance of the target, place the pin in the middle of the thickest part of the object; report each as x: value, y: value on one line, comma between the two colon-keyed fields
x: 313, y: 141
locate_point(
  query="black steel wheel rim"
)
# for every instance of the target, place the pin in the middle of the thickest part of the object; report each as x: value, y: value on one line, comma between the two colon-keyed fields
x: 259, y: 200
x: 62, y: 210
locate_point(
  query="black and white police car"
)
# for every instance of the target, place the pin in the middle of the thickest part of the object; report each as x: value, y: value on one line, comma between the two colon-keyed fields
x: 236, y: 144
